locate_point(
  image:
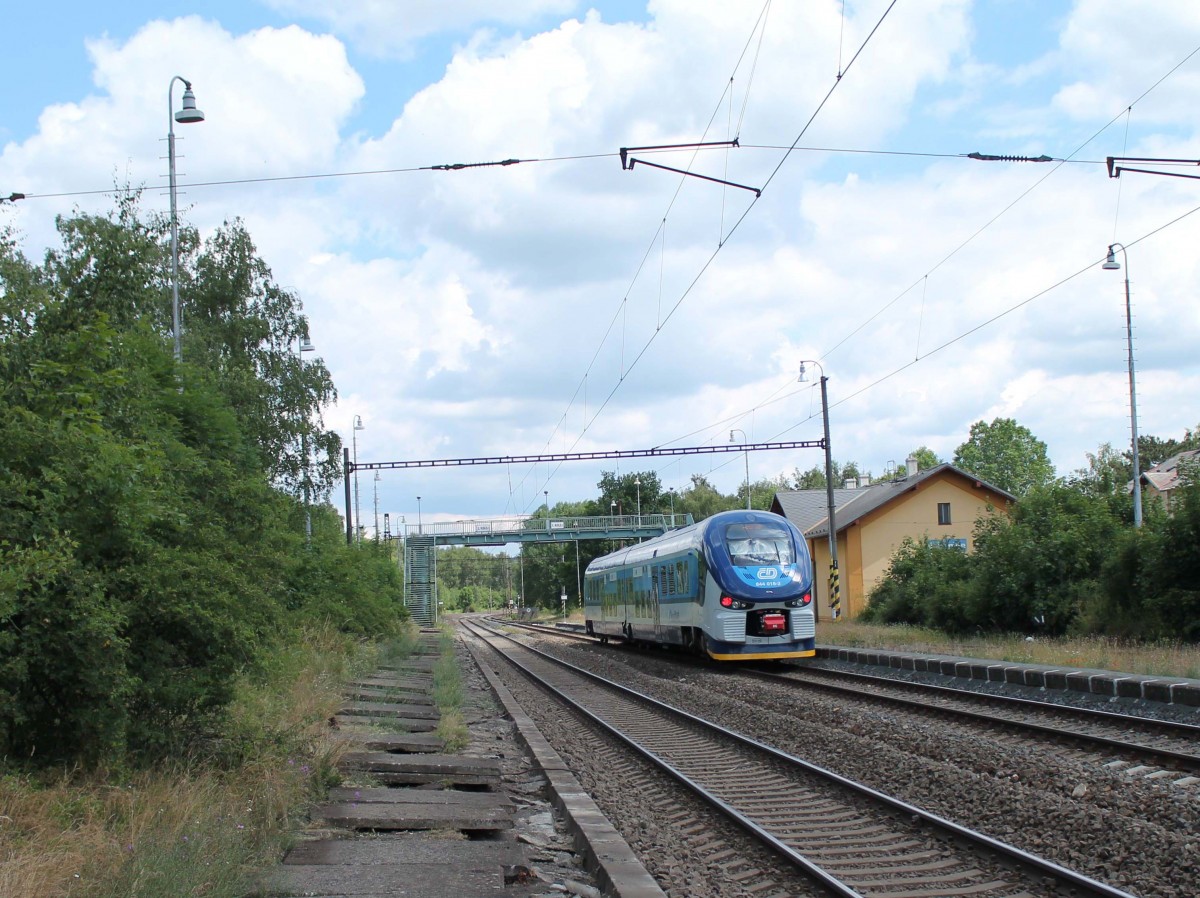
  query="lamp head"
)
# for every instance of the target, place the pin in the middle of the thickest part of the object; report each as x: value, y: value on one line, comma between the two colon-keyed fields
x: 306, y: 345
x: 1111, y: 263
x: 801, y: 378
x: 189, y: 113
x: 358, y: 424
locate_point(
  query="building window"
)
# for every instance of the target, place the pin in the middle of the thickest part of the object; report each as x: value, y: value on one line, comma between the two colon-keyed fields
x: 943, y: 512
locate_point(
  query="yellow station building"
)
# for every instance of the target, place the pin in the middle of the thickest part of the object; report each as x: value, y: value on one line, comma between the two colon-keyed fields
x: 940, y: 504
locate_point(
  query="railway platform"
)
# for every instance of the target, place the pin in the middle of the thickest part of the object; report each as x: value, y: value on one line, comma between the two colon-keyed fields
x: 505, y: 817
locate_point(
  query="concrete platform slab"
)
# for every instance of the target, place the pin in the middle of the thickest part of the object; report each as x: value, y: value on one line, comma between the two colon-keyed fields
x: 402, y: 724
x: 384, y: 881
x: 424, y: 768
x: 407, y: 849
x: 410, y: 814
x: 412, y: 684
x: 404, y: 743
x: 382, y: 694
x: 390, y: 709
x: 447, y: 797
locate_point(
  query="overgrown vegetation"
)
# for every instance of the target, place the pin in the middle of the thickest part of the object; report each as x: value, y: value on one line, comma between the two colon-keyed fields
x: 202, y: 824
x: 448, y: 694
x: 152, y: 548
x: 1063, y: 561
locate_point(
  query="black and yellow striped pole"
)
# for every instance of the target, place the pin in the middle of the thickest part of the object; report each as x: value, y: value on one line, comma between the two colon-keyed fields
x: 835, y: 591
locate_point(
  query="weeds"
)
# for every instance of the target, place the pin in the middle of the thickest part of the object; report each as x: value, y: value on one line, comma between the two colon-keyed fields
x: 448, y: 695
x: 201, y: 826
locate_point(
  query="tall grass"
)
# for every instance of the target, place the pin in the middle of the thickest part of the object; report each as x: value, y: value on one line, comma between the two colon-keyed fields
x: 200, y: 826
x: 448, y: 694
x: 1164, y: 659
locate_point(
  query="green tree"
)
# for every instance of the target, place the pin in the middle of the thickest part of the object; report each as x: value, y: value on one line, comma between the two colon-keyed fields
x: 1153, y: 450
x: 1007, y: 455
x: 926, y: 458
x: 814, y: 477
x: 243, y: 331
x: 1152, y: 579
x: 1108, y: 472
x: 1037, y: 567
x: 701, y: 499
x: 148, y: 548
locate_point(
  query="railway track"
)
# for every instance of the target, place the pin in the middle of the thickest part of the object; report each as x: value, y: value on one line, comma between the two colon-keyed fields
x: 851, y: 839
x: 1168, y: 744
x: 1146, y: 745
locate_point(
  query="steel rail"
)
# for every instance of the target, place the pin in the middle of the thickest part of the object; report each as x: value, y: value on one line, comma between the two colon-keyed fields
x: 835, y: 885
x: 799, y: 676
x: 1189, y: 761
x: 1002, y: 849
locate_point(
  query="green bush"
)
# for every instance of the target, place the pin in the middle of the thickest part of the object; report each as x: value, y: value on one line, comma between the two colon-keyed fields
x: 925, y: 585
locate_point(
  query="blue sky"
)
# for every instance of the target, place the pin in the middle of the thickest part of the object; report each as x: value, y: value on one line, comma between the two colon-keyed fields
x: 491, y: 311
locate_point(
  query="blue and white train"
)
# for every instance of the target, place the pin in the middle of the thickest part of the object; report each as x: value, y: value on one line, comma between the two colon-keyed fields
x: 737, y: 586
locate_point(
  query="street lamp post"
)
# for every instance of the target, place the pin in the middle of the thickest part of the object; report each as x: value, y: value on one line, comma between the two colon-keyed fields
x: 357, y: 426
x: 305, y: 346
x: 1111, y: 264
x: 835, y: 592
x: 187, y: 115
x: 419, y: 530
x: 637, y: 482
x: 744, y: 440
x: 672, y: 492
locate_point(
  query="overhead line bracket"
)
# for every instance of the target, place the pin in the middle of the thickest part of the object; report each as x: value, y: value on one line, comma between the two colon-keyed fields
x: 625, y: 151
x: 1115, y: 168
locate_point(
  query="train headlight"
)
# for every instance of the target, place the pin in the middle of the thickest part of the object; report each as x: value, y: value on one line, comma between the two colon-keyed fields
x: 805, y: 599
x: 731, y: 602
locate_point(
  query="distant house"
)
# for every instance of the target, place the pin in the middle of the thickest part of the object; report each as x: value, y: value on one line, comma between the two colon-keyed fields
x: 1163, y: 478
x: 872, y: 520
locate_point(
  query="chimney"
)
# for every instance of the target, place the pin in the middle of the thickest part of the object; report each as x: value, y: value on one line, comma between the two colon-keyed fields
x: 911, y: 464
x: 864, y: 480
x: 849, y: 483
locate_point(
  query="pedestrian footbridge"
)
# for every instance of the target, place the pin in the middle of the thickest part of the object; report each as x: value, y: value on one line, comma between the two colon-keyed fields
x: 422, y: 540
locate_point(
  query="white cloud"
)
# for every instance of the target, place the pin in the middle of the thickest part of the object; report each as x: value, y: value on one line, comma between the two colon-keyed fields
x: 460, y: 310
x: 384, y: 27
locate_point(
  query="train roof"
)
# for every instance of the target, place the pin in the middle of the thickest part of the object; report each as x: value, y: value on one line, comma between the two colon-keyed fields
x: 683, y: 539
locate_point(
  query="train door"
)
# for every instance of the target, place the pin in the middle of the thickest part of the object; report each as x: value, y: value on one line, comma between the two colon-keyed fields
x: 655, y: 608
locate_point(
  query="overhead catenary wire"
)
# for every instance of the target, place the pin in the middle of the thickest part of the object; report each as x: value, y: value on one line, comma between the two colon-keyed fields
x: 924, y: 279
x: 457, y: 166
x: 712, y: 257
x: 660, y: 232
x: 957, y: 249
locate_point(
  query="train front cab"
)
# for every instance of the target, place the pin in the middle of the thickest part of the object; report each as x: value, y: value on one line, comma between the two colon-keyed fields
x: 759, y: 592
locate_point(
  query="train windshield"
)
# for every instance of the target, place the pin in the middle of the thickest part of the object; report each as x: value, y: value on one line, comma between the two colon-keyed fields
x: 753, y: 544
